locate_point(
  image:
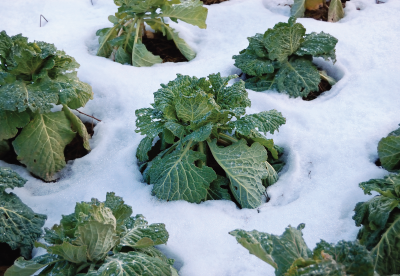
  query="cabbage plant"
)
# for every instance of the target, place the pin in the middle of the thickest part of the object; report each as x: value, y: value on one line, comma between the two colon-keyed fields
x: 123, y: 42
x: 34, y: 77
x: 290, y: 255
x: 100, y: 239
x: 200, y: 145
x: 281, y: 59
x: 389, y: 151
x: 20, y: 226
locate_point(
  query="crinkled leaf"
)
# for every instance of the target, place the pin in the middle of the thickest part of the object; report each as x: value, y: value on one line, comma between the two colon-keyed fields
x: 282, y: 41
x: 258, y: 243
x: 267, y: 82
x: 176, y: 128
x: 354, y: 257
x: 40, y: 145
x: 255, y: 136
x: 142, y: 6
x: 311, y: 267
x: 219, y: 189
x: 5, y: 44
x: 318, y: 45
x: 190, y: 11
x: 257, y: 45
x: 19, y: 225
x: 138, y: 234
x: 132, y: 264
x: 148, y: 122
x: 98, y: 237
x: 10, y: 122
x: 298, y: 8
x: 78, y: 126
x: 142, y: 57
x: 23, y: 267
x: 119, y: 209
x: 10, y: 179
x: 200, y: 134
x: 73, y: 92
x: 266, y: 121
x: 175, y: 177
x: 298, y: 78
x: 386, y: 253
x: 234, y: 96
x: 245, y: 167
x: 253, y: 65
x: 389, y: 152
x: 193, y: 107
x: 389, y: 186
x: 335, y: 12
x: 71, y: 253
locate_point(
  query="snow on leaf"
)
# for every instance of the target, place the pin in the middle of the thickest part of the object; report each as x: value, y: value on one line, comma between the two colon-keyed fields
x: 133, y: 263
x: 266, y: 121
x: 23, y: 267
x: 253, y: 65
x: 389, y: 151
x: 190, y: 11
x: 40, y: 146
x: 245, y: 168
x: 10, y: 179
x: 175, y: 176
x: 19, y: 225
x: 78, y: 126
x: 148, y: 122
x: 318, y: 45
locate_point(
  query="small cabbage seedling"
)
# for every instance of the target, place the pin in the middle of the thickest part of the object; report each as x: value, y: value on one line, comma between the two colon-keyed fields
x: 123, y: 42
x: 281, y: 59
x: 290, y: 255
x: 99, y: 239
x: 379, y: 219
x: 20, y: 226
x: 35, y: 76
x: 335, y: 11
x: 200, y: 145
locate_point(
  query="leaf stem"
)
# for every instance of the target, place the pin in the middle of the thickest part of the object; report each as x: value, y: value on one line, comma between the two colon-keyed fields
x: 202, y: 150
x: 227, y: 137
x: 128, y: 36
x: 139, y: 22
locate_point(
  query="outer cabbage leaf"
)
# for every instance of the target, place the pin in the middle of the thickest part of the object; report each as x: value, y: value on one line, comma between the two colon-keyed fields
x: 175, y: 176
x: 5, y: 45
x: 388, y: 187
x: 22, y: 267
x: 318, y: 45
x: 20, y: 226
x: 138, y: 234
x: 71, y: 253
x: 106, y: 35
x: 298, y: 8
x: 119, y: 209
x: 73, y: 92
x: 354, y: 257
x: 132, y: 264
x: 98, y: 237
x: 40, y: 145
x: 142, y: 57
x: 143, y: 149
x: 183, y: 47
x: 190, y: 11
x: 10, y: 179
x: 78, y: 126
x: 10, y: 122
x: 389, y: 151
x: 149, y: 122
x: 283, y: 40
x: 386, y: 253
x: 266, y: 121
x: 258, y: 243
x: 245, y: 168
x: 257, y: 45
x: 219, y: 189
x: 298, y: 77
x: 335, y: 12
x: 266, y: 82
x: 253, y: 65
x: 62, y: 268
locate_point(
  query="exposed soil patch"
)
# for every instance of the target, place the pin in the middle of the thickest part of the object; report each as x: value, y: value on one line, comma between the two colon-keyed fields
x: 378, y: 162
x: 210, y: 2
x: 322, y: 86
x: 321, y: 13
x: 7, y: 257
x: 72, y: 151
x: 159, y: 45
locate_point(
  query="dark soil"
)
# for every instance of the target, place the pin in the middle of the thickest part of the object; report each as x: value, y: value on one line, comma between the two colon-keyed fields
x: 378, y: 162
x: 75, y: 149
x: 72, y: 151
x: 7, y: 257
x: 210, y: 2
x: 166, y: 49
x: 323, y: 86
x: 321, y: 13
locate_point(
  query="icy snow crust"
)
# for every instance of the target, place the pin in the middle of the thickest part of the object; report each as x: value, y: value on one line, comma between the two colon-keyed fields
x: 330, y: 143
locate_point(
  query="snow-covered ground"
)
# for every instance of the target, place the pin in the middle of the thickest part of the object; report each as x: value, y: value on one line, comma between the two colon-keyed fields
x: 330, y: 142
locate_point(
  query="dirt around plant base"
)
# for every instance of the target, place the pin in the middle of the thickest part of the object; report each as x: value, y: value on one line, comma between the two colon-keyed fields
x: 7, y: 257
x: 159, y: 45
x: 322, y: 86
x: 321, y: 13
x: 210, y: 2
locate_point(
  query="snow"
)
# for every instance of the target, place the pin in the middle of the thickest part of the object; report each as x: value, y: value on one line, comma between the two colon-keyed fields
x: 330, y: 143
